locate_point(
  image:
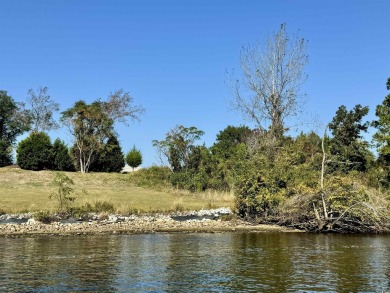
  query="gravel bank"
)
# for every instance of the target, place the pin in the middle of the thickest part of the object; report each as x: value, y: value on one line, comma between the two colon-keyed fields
x: 201, y: 221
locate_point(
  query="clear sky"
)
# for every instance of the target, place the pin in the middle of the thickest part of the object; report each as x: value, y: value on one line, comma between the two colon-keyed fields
x: 172, y: 56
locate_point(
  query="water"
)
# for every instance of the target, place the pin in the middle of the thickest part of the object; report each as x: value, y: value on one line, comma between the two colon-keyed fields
x: 225, y: 262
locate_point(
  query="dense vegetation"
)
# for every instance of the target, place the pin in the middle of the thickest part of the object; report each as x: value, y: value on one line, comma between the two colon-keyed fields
x: 329, y: 183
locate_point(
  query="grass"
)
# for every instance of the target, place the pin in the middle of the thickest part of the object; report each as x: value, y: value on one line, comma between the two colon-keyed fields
x: 28, y: 191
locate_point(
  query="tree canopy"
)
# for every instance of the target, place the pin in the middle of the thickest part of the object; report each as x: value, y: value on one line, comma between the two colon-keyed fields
x: 92, y: 125
x: 348, y: 148
x: 109, y: 158
x: 41, y: 111
x: 177, y: 145
x: 382, y: 136
x: 14, y: 120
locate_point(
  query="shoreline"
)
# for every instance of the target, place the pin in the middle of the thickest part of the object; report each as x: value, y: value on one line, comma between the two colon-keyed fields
x: 143, y: 224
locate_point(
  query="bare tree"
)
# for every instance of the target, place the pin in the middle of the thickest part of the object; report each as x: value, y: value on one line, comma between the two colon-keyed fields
x: 41, y: 110
x: 272, y: 75
x: 119, y: 107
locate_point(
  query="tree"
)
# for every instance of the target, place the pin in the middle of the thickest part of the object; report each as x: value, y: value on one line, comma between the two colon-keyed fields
x: 228, y: 139
x: 90, y: 128
x: 382, y: 136
x: 349, y: 150
x: 109, y: 158
x: 92, y: 125
x: 230, y: 156
x: 14, y: 121
x: 134, y: 158
x: 64, y: 191
x: 272, y: 78
x: 41, y: 110
x: 119, y: 107
x: 5, y: 154
x: 62, y: 160
x: 35, y: 152
x: 177, y: 146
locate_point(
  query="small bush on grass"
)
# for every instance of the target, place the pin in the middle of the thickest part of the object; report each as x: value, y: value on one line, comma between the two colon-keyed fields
x: 64, y: 191
x: 45, y: 217
x: 178, y: 206
x: 84, y: 211
x: 103, y: 206
x: 134, y: 158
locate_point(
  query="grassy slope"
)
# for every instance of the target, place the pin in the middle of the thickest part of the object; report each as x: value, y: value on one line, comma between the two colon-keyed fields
x: 22, y: 190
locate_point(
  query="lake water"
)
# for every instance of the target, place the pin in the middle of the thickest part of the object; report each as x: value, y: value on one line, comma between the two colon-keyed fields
x: 225, y: 262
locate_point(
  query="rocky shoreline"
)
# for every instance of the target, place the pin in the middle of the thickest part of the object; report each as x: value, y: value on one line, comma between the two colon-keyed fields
x: 187, y: 222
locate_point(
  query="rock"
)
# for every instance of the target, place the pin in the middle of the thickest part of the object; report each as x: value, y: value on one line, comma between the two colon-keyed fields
x: 31, y: 221
x: 112, y: 218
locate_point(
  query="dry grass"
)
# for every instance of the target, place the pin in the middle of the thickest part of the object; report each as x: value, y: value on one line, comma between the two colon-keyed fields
x: 22, y: 191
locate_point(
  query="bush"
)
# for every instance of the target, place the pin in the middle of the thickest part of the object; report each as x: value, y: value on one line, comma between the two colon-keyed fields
x: 155, y: 177
x: 256, y: 196
x: 195, y: 181
x: 45, y: 217
x: 84, y: 211
x: 35, y: 152
x: 64, y: 191
x: 134, y: 158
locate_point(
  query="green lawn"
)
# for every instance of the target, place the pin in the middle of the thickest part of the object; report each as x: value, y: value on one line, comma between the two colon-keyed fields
x: 22, y: 191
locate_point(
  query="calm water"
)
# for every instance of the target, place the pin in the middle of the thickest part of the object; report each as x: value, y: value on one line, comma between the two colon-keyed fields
x: 227, y: 262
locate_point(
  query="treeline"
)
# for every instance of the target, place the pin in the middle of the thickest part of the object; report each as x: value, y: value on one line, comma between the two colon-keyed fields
x: 95, y: 143
x: 328, y: 183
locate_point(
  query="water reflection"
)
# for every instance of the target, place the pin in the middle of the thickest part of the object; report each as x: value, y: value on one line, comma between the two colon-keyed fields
x: 227, y: 262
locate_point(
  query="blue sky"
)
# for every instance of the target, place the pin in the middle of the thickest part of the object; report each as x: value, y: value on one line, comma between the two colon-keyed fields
x: 172, y: 56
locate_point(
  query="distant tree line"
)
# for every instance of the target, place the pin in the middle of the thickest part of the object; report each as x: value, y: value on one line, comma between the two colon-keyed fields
x: 96, y: 147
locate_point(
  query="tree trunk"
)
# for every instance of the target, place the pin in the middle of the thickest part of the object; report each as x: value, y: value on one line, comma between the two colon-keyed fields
x: 322, y: 175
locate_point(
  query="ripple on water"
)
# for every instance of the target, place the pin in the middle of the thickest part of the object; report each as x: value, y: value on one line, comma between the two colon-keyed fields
x: 225, y: 262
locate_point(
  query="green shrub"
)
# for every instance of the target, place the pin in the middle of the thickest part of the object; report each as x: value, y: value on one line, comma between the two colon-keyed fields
x: 344, y: 194
x: 154, y: 177
x: 35, y: 152
x: 45, y: 217
x: 98, y: 206
x: 134, y: 158
x: 258, y: 196
x: 64, y: 191
x: 190, y: 180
